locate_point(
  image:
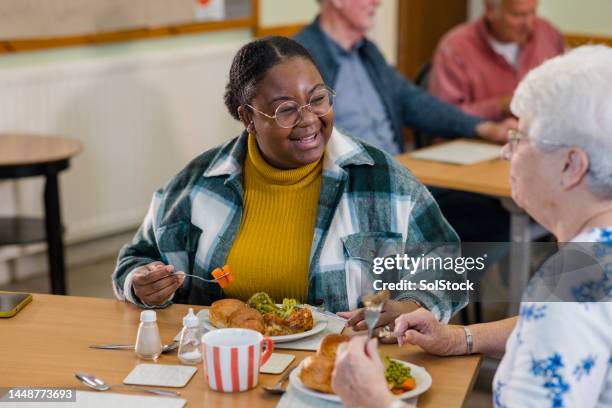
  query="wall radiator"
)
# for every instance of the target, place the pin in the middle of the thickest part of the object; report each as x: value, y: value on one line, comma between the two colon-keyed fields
x: 141, y: 116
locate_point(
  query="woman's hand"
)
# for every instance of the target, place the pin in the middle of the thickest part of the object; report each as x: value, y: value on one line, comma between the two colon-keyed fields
x: 390, y: 311
x: 155, y: 283
x: 359, y: 375
x: 423, y: 329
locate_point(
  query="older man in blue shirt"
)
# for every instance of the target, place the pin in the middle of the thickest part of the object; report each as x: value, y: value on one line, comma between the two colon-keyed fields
x: 374, y: 100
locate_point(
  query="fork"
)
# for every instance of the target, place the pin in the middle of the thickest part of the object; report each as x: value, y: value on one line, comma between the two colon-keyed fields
x: 206, y: 280
x: 373, y: 307
x: 371, y: 315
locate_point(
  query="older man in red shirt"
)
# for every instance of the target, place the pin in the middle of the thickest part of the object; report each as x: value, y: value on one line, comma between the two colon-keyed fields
x: 477, y: 65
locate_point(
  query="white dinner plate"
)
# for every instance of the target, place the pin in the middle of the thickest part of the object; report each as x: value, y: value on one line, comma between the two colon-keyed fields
x: 320, y: 323
x: 421, y: 376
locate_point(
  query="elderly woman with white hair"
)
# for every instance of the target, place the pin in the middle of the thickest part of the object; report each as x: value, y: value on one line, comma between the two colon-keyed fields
x: 555, y: 354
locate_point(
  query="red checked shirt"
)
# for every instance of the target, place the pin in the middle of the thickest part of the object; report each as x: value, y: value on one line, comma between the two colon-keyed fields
x: 468, y: 73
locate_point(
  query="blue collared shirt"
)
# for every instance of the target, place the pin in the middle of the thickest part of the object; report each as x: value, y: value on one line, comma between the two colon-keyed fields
x: 359, y: 109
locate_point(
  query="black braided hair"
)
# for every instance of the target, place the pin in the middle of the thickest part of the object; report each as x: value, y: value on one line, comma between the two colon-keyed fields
x: 252, y: 62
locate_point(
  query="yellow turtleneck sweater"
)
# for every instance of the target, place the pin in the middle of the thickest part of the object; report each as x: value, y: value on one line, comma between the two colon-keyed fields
x: 271, y: 252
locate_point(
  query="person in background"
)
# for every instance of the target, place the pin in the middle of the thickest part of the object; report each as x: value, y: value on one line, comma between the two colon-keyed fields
x: 555, y: 353
x: 375, y: 102
x: 478, y: 64
x: 287, y: 204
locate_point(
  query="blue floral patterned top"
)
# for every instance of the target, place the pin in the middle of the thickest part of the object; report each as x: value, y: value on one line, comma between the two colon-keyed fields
x: 560, y: 353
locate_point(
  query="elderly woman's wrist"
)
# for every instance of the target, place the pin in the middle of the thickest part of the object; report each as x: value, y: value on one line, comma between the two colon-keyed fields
x: 459, y: 341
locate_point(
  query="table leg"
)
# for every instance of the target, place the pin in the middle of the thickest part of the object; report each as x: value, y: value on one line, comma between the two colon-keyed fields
x: 55, y: 242
x: 520, y: 254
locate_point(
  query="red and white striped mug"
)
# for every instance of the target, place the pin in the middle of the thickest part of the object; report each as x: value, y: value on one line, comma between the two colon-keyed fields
x: 232, y: 358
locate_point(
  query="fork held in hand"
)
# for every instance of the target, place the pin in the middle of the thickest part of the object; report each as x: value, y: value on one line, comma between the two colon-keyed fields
x: 206, y: 280
x: 373, y: 307
x: 371, y: 316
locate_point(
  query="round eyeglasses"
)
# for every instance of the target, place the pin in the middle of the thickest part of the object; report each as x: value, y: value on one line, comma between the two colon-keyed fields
x: 289, y: 113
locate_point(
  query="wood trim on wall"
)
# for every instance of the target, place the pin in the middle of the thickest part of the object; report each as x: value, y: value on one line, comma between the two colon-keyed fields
x: 252, y: 22
x: 122, y: 36
x: 255, y: 14
x: 575, y: 40
x: 284, y: 30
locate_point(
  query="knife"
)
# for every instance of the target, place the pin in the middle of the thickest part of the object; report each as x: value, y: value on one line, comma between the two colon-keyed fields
x: 113, y: 346
x: 165, y: 348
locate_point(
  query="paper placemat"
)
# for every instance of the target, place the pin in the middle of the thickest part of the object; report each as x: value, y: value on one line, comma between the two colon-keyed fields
x: 277, y: 363
x: 160, y: 375
x: 293, y: 398
x: 105, y: 399
x: 459, y: 152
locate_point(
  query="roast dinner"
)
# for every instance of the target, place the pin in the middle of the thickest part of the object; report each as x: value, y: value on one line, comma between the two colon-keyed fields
x: 262, y: 314
x: 316, y: 372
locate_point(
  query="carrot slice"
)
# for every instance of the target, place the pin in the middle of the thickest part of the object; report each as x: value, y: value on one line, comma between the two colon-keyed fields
x: 223, y: 276
x: 409, y: 384
x: 230, y: 277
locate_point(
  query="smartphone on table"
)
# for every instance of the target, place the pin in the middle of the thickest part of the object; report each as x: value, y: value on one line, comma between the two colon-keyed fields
x: 11, y: 303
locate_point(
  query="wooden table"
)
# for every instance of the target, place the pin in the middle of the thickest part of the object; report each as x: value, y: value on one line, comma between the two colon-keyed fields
x: 489, y: 178
x: 24, y: 155
x: 48, y: 341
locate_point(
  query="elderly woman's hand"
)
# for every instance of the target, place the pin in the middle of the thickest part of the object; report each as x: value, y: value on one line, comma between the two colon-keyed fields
x: 154, y: 283
x: 359, y: 375
x: 423, y: 329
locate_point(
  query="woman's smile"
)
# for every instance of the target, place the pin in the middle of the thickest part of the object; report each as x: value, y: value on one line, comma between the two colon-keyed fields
x: 307, y: 141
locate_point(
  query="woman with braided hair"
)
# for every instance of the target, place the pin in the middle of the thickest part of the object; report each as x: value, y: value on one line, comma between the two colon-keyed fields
x: 288, y: 203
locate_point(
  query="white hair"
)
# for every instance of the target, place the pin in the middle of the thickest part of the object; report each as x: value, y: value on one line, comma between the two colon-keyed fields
x: 568, y: 101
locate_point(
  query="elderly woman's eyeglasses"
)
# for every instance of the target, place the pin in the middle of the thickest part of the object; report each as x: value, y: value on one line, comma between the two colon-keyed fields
x: 515, y: 137
x: 289, y: 113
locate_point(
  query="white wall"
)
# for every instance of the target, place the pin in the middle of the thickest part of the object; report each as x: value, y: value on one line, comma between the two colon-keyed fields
x: 570, y: 16
x: 384, y: 34
x: 142, y: 111
x: 579, y: 16
x: 287, y: 12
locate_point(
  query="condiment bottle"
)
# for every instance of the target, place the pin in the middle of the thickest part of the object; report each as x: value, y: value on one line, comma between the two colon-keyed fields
x: 148, y: 343
x: 191, y: 338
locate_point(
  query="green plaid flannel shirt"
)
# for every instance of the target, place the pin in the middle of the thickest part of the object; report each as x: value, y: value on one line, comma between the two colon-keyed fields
x: 365, y: 194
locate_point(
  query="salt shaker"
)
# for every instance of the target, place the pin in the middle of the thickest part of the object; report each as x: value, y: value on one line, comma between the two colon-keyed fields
x: 148, y: 342
x: 191, y: 338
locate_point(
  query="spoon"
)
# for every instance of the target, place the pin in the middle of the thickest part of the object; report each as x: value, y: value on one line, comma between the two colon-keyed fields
x: 277, y: 388
x: 165, y: 348
x: 99, y: 385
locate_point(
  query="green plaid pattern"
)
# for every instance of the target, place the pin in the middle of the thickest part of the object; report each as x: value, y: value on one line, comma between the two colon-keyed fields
x: 365, y: 194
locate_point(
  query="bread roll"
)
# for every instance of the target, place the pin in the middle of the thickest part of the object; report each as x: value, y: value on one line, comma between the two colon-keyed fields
x: 316, y: 373
x: 247, y: 318
x: 221, y: 310
x: 329, y: 345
